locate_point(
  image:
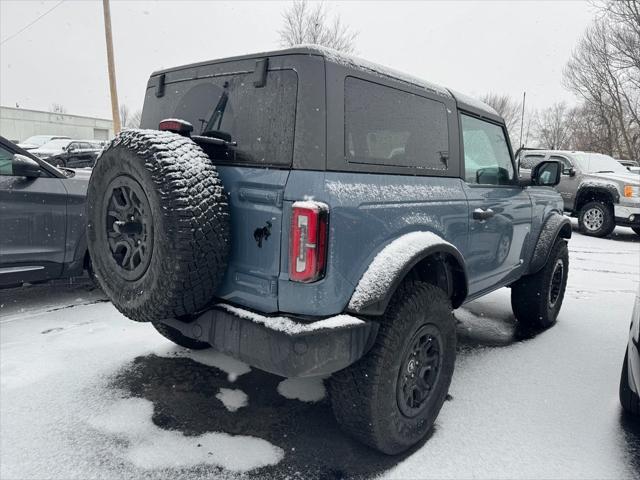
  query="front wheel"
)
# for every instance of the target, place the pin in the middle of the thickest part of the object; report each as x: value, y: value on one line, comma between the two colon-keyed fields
x: 390, y: 398
x: 536, y: 299
x: 596, y: 219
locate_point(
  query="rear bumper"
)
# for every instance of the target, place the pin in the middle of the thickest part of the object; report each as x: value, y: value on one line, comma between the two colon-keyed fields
x: 283, y: 345
x: 627, y: 216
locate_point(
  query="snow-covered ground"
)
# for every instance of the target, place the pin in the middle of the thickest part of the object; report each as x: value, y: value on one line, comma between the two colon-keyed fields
x: 86, y: 393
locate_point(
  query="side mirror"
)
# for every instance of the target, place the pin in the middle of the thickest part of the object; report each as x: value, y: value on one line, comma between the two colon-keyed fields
x: 570, y: 172
x: 25, y: 167
x: 546, y: 174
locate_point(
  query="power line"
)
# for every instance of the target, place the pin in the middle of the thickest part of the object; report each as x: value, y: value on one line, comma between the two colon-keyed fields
x: 32, y: 22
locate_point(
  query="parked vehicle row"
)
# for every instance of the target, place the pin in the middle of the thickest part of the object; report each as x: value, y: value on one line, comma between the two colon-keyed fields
x: 69, y: 153
x: 595, y: 188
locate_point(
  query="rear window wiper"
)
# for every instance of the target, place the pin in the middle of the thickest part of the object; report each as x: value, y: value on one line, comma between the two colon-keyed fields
x: 216, y: 137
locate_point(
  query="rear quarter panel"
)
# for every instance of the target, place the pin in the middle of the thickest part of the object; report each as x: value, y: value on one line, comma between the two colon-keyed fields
x: 367, y: 211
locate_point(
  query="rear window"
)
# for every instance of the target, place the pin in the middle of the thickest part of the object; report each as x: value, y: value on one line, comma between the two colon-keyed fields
x: 386, y: 126
x: 260, y: 120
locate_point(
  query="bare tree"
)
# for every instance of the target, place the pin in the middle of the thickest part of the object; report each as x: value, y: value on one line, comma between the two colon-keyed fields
x: 129, y: 119
x: 552, y: 128
x: 510, y: 110
x: 304, y: 24
x: 58, y: 108
x: 604, y: 70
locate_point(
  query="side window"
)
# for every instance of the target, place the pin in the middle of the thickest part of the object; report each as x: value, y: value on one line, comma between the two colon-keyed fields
x: 6, y: 162
x: 530, y: 161
x: 386, y: 126
x: 486, y: 153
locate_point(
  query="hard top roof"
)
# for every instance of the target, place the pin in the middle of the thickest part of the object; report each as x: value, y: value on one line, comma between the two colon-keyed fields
x: 464, y: 102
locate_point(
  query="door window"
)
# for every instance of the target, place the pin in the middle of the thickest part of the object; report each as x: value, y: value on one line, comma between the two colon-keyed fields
x: 487, y: 158
x: 6, y: 162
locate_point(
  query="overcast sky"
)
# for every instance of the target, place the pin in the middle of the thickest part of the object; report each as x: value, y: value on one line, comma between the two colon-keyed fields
x: 473, y: 47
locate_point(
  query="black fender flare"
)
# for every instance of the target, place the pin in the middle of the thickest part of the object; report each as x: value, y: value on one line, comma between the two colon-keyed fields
x: 393, y: 263
x: 601, y: 187
x: 556, y: 225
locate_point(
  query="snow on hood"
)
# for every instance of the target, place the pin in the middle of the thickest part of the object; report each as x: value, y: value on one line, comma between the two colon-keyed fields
x: 45, y: 151
x: 628, y: 178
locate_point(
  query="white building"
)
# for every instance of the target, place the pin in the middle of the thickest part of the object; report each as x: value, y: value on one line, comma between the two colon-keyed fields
x: 17, y: 124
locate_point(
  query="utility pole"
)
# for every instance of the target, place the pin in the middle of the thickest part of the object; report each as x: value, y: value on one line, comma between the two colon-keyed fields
x: 524, y: 98
x: 112, y: 69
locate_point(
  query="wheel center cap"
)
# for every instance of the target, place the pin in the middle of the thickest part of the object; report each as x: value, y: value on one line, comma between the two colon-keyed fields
x: 411, y: 366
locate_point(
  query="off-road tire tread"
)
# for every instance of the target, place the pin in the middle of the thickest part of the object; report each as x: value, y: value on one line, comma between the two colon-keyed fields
x: 196, y: 229
x: 529, y: 295
x: 354, y: 390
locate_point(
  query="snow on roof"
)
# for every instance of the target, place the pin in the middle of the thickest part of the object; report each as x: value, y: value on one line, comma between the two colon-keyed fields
x: 370, y: 67
x: 474, y: 102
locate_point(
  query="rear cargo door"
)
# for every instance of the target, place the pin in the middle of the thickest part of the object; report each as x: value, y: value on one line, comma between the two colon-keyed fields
x: 254, y: 110
x: 255, y: 200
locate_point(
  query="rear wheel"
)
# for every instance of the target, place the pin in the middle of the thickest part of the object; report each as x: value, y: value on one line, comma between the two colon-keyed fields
x: 390, y: 398
x: 628, y: 398
x: 178, y: 338
x: 596, y: 219
x: 536, y: 299
x: 158, y: 226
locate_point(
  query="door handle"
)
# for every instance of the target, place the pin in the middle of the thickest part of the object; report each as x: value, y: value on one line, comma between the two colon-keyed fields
x: 480, y: 214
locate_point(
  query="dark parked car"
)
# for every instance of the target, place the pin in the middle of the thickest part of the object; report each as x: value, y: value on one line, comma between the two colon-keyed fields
x: 77, y: 154
x: 311, y: 213
x: 42, y: 214
x: 630, y: 377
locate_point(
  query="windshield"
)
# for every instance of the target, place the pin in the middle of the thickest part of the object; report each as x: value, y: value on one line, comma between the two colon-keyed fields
x: 37, y: 140
x: 56, y: 144
x: 598, y: 163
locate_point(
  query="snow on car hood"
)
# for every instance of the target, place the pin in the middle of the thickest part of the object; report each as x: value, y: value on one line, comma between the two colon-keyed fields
x: 619, y: 178
x: 45, y: 152
x: 27, y: 146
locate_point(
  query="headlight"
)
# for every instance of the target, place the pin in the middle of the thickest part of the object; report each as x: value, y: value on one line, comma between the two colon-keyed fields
x: 631, y: 191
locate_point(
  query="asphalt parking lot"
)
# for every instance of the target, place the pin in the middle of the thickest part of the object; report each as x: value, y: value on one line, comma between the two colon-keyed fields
x: 86, y: 393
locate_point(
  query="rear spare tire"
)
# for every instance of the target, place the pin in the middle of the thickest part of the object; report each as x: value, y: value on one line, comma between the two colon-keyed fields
x: 158, y: 225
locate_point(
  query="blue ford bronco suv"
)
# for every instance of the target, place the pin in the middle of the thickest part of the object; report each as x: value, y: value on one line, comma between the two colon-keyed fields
x: 312, y: 214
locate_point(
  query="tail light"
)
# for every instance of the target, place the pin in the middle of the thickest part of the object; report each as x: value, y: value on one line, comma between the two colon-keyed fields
x: 176, y: 125
x: 308, y: 250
